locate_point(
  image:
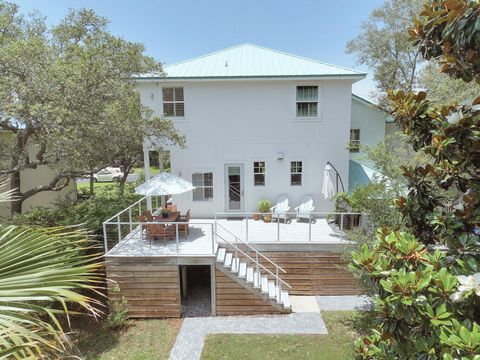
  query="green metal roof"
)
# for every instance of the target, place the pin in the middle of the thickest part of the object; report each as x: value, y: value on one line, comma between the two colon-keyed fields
x: 252, y: 61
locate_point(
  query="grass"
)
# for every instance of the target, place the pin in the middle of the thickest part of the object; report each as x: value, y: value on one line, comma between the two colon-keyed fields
x: 139, y: 340
x: 343, y: 328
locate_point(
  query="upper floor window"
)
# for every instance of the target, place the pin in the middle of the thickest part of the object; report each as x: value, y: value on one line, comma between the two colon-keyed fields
x: 296, y: 170
x: 354, y: 145
x: 259, y: 173
x: 307, y: 101
x: 203, y: 183
x: 173, y: 102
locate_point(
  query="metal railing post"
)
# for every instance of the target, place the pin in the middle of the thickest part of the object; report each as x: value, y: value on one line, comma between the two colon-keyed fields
x: 130, y: 218
x: 213, y: 239
x: 176, y: 236
x: 341, y: 226
x: 309, y: 228
x: 119, y: 228
x: 276, y: 280
x: 258, y: 272
x: 278, y: 227
x: 105, y: 242
x: 236, y: 248
x: 246, y: 227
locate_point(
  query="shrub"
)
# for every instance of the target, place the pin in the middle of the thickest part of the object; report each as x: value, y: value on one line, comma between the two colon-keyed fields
x: 264, y: 206
x: 118, y: 316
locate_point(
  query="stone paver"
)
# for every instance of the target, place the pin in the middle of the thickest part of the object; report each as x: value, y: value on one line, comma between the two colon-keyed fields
x: 341, y: 303
x: 302, y: 304
x: 190, y: 340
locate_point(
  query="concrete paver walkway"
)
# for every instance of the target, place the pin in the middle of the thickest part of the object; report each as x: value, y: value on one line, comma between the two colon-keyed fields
x: 306, y: 319
x: 190, y: 340
x: 343, y: 303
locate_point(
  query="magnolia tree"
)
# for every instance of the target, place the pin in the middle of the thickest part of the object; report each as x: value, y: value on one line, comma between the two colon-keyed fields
x: 427, y: 279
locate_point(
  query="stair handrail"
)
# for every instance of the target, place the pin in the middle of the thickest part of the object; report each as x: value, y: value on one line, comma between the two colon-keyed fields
x: 276, y: 277
x: 252, y: 248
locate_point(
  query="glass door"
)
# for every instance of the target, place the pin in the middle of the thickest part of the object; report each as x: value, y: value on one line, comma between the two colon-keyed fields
x: 234, y: 188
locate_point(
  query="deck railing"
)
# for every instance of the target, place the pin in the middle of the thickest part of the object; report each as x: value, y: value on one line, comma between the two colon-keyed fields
x: 338, y: 222
x: 245, y: 250
x: 117, y: 231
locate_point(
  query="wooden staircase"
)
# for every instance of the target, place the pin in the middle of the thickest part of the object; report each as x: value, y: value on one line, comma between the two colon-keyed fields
x: 241, y: 267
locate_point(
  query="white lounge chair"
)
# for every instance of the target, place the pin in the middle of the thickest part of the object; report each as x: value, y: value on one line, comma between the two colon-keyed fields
x: 280, y: 210
x: 305, y: 209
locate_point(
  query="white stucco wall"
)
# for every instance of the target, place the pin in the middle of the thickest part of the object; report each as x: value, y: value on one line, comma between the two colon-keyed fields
x: 246, y: 121
x: 371, y: 122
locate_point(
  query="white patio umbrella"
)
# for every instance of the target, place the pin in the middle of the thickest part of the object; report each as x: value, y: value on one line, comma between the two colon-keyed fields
x: 164, y: 184
x: 328, y: 190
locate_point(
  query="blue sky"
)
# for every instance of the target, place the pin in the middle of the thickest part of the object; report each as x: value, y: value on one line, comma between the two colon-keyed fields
x: 178, y: 30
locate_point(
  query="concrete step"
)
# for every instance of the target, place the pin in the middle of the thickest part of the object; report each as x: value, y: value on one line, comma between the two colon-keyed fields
x: 228, y: 260
x: 221, y: 254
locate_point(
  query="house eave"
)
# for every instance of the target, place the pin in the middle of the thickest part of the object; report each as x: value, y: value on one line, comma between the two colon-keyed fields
x: 351, y: 77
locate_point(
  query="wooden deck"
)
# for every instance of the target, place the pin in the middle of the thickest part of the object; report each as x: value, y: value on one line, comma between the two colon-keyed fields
x: 290, y: 236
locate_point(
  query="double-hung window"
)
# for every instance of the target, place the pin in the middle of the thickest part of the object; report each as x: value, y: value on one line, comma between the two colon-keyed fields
x: 259, y: 173
x: 354, y: 145
x: 296, y: 172
x: 203, y: 183
x: 173, y: 102
x: 307, y: 101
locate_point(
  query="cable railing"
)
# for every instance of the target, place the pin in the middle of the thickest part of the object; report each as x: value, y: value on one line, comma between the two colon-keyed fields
x: 138, y: 241
x: 258, y: 266
x: 295, y: 226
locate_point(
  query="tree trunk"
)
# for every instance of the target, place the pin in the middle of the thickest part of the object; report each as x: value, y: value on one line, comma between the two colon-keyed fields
x: 16, y: 203
x: 92, y: 183
x: 123, y: 179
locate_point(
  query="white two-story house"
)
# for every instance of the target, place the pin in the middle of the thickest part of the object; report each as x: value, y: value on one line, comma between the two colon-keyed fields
x: 259, y: 123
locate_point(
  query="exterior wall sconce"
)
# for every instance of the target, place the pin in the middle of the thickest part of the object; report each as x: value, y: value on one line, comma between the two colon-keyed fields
x: 280, y: 156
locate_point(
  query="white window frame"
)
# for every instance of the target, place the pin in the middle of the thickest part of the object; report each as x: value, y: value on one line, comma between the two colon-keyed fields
x: 354, y: 142
x: 317, y: 115
x: 301, y: 173
x: 174, y: 101
x: 203, y: 187
x: 259, y: 173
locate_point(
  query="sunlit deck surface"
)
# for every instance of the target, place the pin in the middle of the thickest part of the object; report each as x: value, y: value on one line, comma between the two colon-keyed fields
x: 260, y: 234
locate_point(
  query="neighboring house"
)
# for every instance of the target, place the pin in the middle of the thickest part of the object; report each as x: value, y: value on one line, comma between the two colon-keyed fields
x: 259, y: 123
x: 39, y: 176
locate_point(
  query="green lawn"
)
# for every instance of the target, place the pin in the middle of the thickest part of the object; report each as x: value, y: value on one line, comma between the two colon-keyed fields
x: 343, y: 328
x: 139, y: 340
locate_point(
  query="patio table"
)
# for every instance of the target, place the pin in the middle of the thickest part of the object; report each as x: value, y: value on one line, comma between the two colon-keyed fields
x: 172, y: 217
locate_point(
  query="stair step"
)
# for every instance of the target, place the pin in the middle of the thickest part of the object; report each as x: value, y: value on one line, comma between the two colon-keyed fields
x: 264, y: 284
x: 242, y: 270
x: 285, y: 299
x: 272, y: 290
x: 235, y: 265
x: 257, y: 279
x: 249, y: 276
x: 228, y: 259
x: 221, y: 254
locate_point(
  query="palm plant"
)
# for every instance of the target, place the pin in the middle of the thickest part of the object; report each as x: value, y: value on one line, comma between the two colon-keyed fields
x: 44, y: 274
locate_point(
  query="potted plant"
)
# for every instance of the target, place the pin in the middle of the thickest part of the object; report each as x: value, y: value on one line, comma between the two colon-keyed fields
x: 165, y: 213
x: 264, y: 207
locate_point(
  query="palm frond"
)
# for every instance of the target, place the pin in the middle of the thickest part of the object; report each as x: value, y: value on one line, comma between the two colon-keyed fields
x: 44, y: 274
x: 6, y: 194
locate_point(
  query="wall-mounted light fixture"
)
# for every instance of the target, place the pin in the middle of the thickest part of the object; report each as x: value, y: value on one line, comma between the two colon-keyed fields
x: 280, y: 155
